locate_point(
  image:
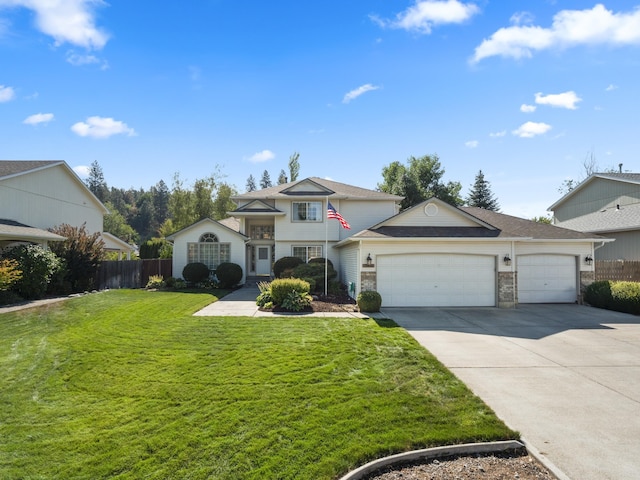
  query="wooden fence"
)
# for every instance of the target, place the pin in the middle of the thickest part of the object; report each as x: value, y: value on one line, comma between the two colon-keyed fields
x: 618, y: 270
x: 131, y: 273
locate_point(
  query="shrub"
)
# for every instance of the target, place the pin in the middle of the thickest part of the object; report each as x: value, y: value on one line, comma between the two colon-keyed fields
x: 37, y: 265
x: 369, y: 301
x: 320, y: 260
x: 156, y: 248
x: 10, y: 273
x: 296, y: 301
x: 618, y: 296
x: 229, y: 274
x: 281, y: 287
x: 195, y: 272
x: 81, y: 252
x: 285, y: 263
x: 314, y: 271
x: 155, y: 281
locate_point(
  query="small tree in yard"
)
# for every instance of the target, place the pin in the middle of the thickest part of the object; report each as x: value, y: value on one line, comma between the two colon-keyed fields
x: 37, y: 266
x: 81, y: 253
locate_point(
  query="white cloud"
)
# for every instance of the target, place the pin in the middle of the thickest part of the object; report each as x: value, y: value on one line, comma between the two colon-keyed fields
x: 498, y: 134
x: 78, y: 60
x: 101, y: 127
x: 6, y: 94
x: 82, y: 171
x: 68, y: 21
x: 471, y: 144
x: 521, y: 18
x: 353, y: 94
x: 263, y: 156
x: 611, y: 87
x: 38, y: 118
x: 527, y: 108
x: 597, y: 26
x: 424, y: 14
x: 560, y: 100
x: 531, y: 129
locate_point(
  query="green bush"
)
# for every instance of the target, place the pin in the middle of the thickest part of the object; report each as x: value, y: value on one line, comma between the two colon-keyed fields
x: 320, y: 260
x: 195, y: 272
x: 10, y: 273
x: 285, y: 263
x: 296, y: 301
x: 156, y: 248
x: 618, y: 296
x: 37, y: 266
x: 369, y: 301
x: 156, y: 281
x: 228, y: 274
x: 314, y: 271
x: 281, y: 287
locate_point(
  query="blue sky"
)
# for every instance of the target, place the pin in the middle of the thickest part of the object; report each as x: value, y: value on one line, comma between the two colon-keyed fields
x: 523, y: 91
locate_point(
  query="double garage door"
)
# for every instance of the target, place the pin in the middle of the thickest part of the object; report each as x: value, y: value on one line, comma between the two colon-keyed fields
x: 454, y: 280
x: 437, y: 280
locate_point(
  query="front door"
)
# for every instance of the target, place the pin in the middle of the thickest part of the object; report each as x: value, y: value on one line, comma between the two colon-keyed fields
x: 263, y: 260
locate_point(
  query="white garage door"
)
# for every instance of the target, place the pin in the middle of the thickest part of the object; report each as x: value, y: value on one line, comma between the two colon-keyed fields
x: 547, y: 279
x: 436, y: 280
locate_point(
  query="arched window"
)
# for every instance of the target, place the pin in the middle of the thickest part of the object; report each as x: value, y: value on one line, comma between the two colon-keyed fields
x: 208, y: 238
x: 209, y: 251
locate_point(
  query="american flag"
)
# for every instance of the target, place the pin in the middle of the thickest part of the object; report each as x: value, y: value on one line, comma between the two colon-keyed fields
x: 332, y: 213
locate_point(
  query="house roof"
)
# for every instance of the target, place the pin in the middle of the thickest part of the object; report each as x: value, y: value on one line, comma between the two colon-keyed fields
x: 111, y: 242
x: 14, y: 168
x: 16, y: 231
x: 633, y: 178
x: 232, y: 225
x: 489, y: 225
x: 317, y: 187
x: 624, y: 218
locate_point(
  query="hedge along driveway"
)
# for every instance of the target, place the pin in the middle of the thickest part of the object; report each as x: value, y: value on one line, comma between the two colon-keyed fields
x: 130, y: 384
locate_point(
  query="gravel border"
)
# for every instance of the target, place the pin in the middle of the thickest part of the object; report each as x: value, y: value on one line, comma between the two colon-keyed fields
x: 446, y: 451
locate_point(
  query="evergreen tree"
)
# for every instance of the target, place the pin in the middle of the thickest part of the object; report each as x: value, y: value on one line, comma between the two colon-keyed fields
x: 294, y: 166
x: 282, y: 178
x: 251, y: 184
x: 160, y: 193
x: 96, y: 183
x: 481, y: 196
x: 265, y: 181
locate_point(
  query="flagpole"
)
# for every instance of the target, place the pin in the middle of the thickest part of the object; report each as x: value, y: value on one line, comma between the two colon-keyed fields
x: 326, y: 245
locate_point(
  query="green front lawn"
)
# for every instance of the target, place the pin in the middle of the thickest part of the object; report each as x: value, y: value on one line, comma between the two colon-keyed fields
x: 129, y: 384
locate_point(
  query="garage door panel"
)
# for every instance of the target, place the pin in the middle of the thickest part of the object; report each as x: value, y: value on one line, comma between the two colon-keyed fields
x: 547, y: 279
x: 436, y: 280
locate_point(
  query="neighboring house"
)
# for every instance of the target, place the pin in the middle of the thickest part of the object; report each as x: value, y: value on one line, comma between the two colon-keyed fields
x: 606, y: 204
x: 432, y: 254
x: 38, y: 195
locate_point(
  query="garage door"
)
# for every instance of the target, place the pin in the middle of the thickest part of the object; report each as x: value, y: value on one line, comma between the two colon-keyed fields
x: 436, y: 280
x: 547, y: 279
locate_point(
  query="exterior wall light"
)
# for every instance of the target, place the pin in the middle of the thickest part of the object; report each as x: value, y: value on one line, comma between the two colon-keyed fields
x: 369, y: 260
x: 588, y: 259
x: 507, y: 260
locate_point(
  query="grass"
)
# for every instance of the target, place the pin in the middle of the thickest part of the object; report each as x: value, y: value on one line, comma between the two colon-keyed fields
x: 128, y: 384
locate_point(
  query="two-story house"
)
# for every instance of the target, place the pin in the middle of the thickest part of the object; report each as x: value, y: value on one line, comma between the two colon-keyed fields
x: 432, y: 254
x: 606, y: 204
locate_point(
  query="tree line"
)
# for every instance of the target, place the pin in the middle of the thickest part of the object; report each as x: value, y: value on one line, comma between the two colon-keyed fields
x: 138, y: 215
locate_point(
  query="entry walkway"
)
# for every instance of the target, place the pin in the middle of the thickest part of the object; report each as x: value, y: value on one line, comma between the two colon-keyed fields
x: 242, y: 303
x: 567, y: 377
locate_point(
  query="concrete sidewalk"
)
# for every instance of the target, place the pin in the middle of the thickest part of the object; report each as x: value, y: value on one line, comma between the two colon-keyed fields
x: 242, y: 303
x: 567, y: 377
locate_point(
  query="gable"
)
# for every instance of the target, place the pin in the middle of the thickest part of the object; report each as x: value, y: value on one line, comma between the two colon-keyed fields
x: 256, y: 206
x: 433, y: 213
x: 307, y: 187
x: 207, y: 225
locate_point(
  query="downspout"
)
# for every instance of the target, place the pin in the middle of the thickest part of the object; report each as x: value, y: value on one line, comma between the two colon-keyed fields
x: 513, y: 272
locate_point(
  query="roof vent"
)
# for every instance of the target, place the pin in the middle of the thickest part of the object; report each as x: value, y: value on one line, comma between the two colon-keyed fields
x: 618, y: 206
x: 620, y: 167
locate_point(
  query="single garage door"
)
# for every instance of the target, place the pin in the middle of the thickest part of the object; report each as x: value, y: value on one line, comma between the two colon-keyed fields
x: 547, y: 279
x: 436, y: 280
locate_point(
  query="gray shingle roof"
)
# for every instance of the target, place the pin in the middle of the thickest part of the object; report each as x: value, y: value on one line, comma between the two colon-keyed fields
x: 14, y: 167
x: 627, y: 217
x: 18, y: 231
x: 338, y: 189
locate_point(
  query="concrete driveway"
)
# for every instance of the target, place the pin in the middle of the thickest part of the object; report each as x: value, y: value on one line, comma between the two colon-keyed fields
x: 567, y: 377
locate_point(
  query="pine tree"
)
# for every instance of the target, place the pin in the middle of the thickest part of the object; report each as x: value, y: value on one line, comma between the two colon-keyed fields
x: 282, y: 178
x: 265, y: 181
x: 251, y: 184
x: 481, y: 195
x: 96, y: 183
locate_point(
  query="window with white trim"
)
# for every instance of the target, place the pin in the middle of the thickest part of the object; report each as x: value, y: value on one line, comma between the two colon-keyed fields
x: 306, y: 211
x: 305, y: 252
x: 209, y: 251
